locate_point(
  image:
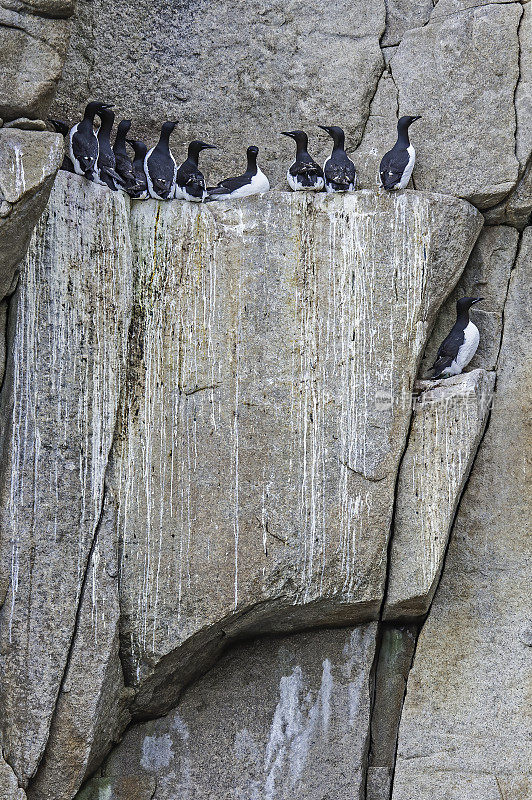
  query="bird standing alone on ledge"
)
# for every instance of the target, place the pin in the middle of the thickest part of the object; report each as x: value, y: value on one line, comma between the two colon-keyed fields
x: 457, y: 350
x: 396, y: 166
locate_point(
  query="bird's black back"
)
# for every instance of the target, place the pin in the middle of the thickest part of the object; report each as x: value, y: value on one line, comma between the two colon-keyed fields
x: 394, y: 162
x: 448, y: 350
x: 340, y: 171
x: 190, y: 177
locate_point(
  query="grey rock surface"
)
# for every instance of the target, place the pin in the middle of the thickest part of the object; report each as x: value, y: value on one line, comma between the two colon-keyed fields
x: 397, y: 647
x: 264, y: 376
x: 90, y: 712
x: 33, y: 47
x: 465, y: 141
x: 9, y: 788
x: 380, y: 132
x: 448, y: 423
x: 274, y: 720
x: 401, y: 15
x: 59, y: 403
x: 486, y: 275
x: 465, y: 729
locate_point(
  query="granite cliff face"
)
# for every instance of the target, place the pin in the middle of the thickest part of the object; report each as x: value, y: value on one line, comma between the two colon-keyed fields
x: 245, y: 549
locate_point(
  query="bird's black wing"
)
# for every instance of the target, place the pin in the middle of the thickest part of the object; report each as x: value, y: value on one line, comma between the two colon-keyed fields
x: 340, y: 174
x: 191, y: 179
x: 392, y: 166
x: 229, y: 185
x: 85, y: 148
x: 124, y: 167
x: 306, y: 168
x: 448, y: 349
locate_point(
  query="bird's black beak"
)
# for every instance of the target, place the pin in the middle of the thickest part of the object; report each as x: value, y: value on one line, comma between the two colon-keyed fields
x: 477, y: 300
x: 414, y: 118
x: 210, y: 147
x: 325, y: 128
x: 287, y: 133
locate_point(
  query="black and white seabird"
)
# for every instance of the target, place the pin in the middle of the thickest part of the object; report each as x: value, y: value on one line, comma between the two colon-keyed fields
x: 397, y: 165
x: 339, y: 170
x: 140, y: 191
x: 62, y: 128
x: 305, y: 175
x: 82, y: 142
x: 253, y: 181
x: 124, y: 166
x: 160, y: 166
x: 190, y: 183
x: 457, y: 350
x: 107, y: 174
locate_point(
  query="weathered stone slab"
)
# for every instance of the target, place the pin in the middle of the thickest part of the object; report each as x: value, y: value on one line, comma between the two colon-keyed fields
x: 465, y: 730
x: 28, y: 164
x: 449, y: 419
x: 90, y: 711
x: 486, y: 275
x: 465, y: 141
x: 266, y: 413
x: 27, y: 159
x: 278, y: 719
x: 68, y: 335
x: 32, y: 52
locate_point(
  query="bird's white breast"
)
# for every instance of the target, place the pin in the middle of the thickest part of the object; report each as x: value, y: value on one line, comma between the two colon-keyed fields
x: 407, y: 174
x: 258, y: 184
x: 467, y: 350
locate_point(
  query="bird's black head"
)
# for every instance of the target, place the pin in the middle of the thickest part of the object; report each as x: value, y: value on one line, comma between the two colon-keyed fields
x: 406, y: 121
x: 139, y: 147
x: 300, y: 137
x: 168, y: 127
x: 335, y: 133
x: 197, y: 146
x: 96, y: 108
x: 107, y: 117
x: 59, y: 126
x: 252, y: 151
x: 123, y: 128
x: 464, y: 304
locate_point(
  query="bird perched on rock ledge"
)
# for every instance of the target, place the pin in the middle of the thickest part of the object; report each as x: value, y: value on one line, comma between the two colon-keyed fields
x: 457, y: 350
x: 396, y: 166
x: 339, y: 170
x: 305, y: 175
x: 253, y: 181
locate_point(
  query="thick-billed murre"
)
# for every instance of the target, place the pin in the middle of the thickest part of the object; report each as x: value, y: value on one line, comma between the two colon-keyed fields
x: 253, y: 181
x: 305, y: 175
x: 82, y: 143
x: 124, y: 165
x: 190, y: 183
x: 396, y: 166
x: 160, y: 166
x: 457, y: 350
x: 107, y: 174
x: 339, y: 171
x: 140, y: 190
